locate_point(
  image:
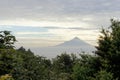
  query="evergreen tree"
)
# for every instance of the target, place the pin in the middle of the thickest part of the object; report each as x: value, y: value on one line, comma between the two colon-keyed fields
x: 109, y: 48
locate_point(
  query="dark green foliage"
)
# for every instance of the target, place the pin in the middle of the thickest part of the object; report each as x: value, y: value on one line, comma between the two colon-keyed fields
x: 7, y: 40
x: 32, y: 67
x: 62, y: 66
x: 24, y: 65
x: 7, y: 61
x: 109, y: 48
x: 103, y: 75
x: 80, y: 72
x: 86, y: 67
x: 63, y: 63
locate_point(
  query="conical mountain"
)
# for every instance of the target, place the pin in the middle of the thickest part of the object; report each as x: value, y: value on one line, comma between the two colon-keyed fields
x: 72, y: 46
x: 75, y: 42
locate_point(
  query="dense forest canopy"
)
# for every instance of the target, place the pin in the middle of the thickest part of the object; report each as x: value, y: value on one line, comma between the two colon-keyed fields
x: 22, y: 64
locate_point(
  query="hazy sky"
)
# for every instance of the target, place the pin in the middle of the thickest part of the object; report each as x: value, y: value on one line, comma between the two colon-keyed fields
x: 49, y: 22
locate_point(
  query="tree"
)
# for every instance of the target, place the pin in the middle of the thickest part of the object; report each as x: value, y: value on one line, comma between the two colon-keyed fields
x: 109, y: 48
x: 7, y: 61
x: 7, y: 40
x: 63, y: 63
x: 103, y: 75
x: 62, y: 66
x: 85, y: 67
x: 30, y: 66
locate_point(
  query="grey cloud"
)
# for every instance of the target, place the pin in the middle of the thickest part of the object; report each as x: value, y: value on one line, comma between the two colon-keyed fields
x: 76, y: 28
x: 101, y: 11
x: 72, y: 28
x: 53, y: 8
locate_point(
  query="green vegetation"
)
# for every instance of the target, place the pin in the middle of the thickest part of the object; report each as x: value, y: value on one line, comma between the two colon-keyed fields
x: 22, y: 64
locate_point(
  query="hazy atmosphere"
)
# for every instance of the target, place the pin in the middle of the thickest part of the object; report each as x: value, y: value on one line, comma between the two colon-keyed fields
x: 38, y: 23
x: 59, y: 39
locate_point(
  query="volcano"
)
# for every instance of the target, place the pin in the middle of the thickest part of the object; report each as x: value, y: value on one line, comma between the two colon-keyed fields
x: 74, y: 45
x: 75, y: 42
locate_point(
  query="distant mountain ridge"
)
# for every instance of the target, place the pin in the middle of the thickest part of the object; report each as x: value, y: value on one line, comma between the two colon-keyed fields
x: 72, y: 46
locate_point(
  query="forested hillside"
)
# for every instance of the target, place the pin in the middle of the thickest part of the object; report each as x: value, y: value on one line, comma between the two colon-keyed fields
x: 22, y: 64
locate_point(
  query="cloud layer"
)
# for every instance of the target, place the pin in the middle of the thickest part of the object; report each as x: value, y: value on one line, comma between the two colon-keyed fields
x: 57, y: 20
